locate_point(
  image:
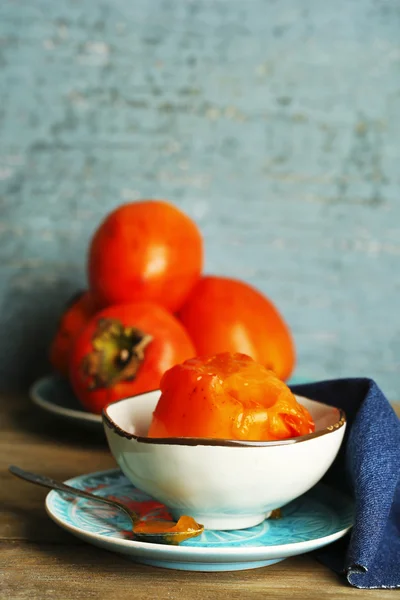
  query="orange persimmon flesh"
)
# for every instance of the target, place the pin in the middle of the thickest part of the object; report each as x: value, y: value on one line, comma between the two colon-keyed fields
x: 183, y: 525
x: 227, y: 396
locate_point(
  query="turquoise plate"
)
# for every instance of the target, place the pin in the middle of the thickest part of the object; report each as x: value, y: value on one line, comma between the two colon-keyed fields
x: 316, y: 519
x: 54, y: 395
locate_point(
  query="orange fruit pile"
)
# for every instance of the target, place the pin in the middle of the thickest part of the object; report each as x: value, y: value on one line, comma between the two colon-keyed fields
x: 146, y: 289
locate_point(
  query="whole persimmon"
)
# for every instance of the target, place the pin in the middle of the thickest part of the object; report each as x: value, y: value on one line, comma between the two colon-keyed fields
x: 79, y: 310
x: 227, y: 396
x: 145, y: 251
x: 124, y: 350
x: 227, y: 315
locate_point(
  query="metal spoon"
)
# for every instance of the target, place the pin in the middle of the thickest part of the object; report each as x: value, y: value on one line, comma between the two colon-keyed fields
x: 158, y: 532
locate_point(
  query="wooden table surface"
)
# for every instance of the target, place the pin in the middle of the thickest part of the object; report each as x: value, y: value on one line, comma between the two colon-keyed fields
x: 39, y: 560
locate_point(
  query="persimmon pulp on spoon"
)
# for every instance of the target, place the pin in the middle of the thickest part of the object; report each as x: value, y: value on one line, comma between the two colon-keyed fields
x: 170, y: 532
x: 227, y: 396
x: 156, y: 532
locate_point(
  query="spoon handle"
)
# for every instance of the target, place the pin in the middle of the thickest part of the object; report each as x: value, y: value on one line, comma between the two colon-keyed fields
x: 62, y: 487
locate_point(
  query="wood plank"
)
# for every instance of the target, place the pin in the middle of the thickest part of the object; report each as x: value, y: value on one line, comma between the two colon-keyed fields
x: 34, y: 572
x: 37, y: 442
x: 40, y: 560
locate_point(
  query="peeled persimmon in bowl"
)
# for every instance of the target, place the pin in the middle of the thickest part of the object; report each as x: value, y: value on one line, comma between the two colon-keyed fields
x: 227, y: 396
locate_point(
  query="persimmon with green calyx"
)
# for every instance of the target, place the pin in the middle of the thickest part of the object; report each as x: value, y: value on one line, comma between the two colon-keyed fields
x: 227, y: 396
x: 123, y: 351
x: 228, y: 315
x: 80, y: 308
x: 145, y: 251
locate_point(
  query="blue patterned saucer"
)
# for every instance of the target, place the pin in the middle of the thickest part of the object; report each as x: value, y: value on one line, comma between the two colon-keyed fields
x: 54, y: 395
x: 316, y: 519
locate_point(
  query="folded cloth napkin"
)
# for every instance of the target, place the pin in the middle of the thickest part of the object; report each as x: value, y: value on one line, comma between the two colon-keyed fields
x: 367, y: 466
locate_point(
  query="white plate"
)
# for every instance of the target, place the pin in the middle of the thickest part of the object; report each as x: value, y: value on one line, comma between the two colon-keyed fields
x: 316, y: 519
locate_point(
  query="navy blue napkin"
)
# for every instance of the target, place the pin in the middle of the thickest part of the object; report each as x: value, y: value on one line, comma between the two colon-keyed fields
x: 367, y: 467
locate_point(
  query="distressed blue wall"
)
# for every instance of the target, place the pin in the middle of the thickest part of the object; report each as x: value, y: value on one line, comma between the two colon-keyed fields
x: 275, y: 125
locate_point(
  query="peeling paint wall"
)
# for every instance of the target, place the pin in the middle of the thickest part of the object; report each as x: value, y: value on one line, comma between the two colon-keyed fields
x: 275, y: 125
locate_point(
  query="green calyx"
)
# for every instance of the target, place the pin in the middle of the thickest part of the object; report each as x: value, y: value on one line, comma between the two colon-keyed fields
x: 117, y: 354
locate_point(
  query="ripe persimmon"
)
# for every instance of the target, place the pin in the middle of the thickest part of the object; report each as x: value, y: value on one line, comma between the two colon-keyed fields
x: 227, y: 396
x: 124, y: 350
x: 227, y: 315
x: 145, y: 251
x: 77, y: 313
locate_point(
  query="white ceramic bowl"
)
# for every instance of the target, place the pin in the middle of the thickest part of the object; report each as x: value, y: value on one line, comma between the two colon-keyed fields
x: 223, y: 484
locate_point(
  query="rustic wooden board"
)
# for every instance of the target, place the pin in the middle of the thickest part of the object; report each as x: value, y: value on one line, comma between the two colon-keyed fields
x: 39, y: 560
x: 55, y: 571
